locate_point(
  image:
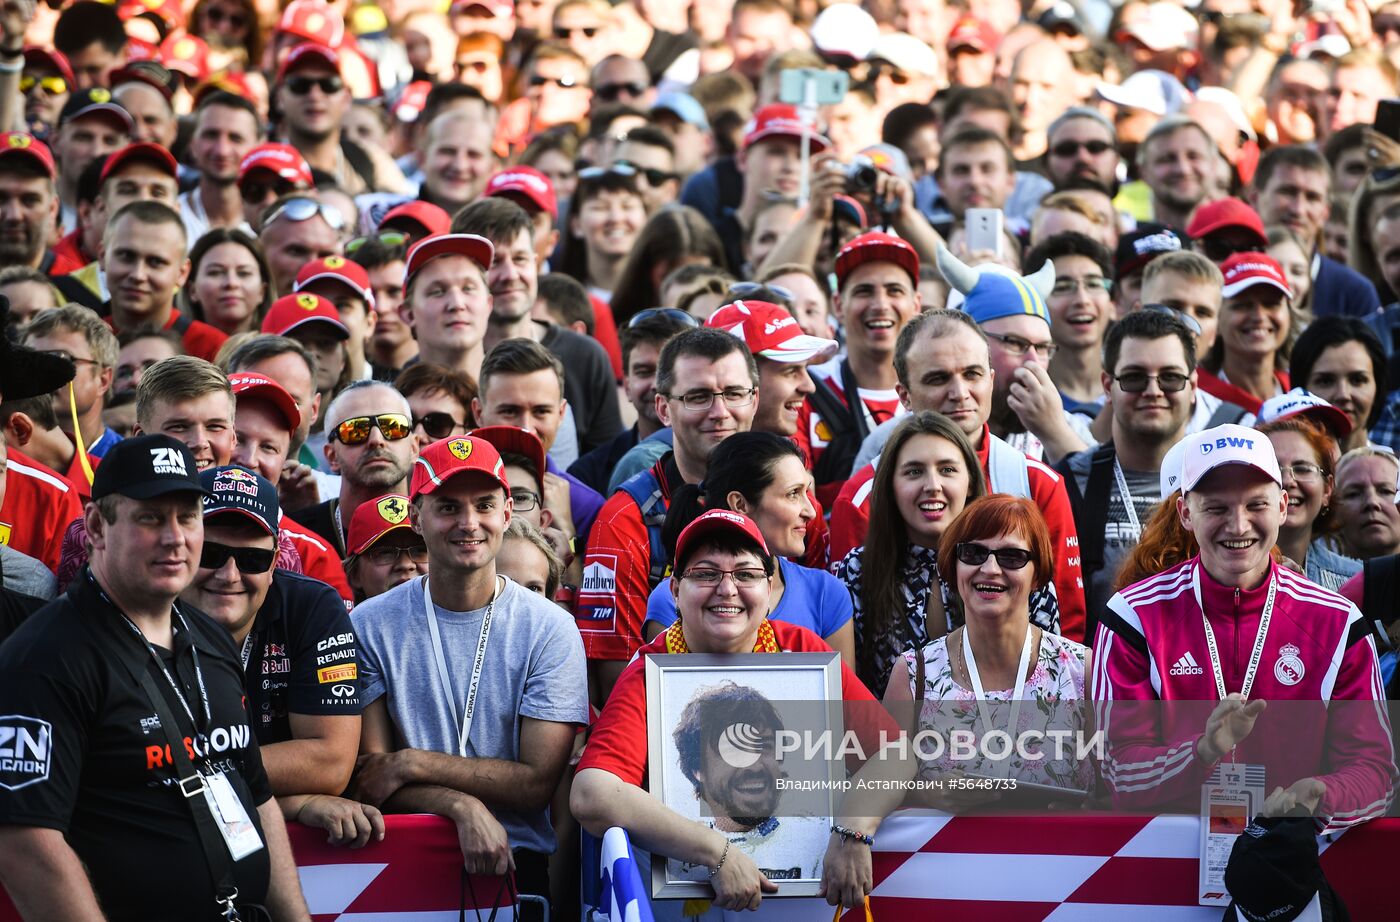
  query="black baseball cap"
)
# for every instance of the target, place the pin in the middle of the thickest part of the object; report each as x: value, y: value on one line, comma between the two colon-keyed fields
x: 237, y: 489
x: 1273, y: 874
x: 146, y: 466
x: 1142, y: 245
x: 95, y: 100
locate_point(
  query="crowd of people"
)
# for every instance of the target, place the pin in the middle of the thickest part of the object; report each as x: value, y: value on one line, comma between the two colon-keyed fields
x: 383, y: 384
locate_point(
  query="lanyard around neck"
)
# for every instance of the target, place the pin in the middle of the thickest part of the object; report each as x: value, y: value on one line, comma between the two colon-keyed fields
x: 465, y: 725
x: 980, y: 693
x: 1127, y: 497
x: 1255, y: 655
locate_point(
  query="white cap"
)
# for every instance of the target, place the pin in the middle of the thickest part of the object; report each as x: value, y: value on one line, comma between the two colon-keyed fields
x: 1228, y: 101
x: 1164, y: 27
x: 1301, y: 401
x: 1152, y: 91
x: 845, y: 30
x: 906, y: 52
x: 1170, y: 474
x: 1227, y: 444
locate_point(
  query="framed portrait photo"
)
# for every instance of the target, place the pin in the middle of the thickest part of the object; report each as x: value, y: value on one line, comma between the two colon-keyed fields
x: 748, y: 744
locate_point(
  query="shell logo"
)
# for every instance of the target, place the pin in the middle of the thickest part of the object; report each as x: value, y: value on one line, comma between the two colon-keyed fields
x: 18, y: 140
x: 307, y: 302
x: 334, y: 262
x: 392, y: 509
x: 460, y: 448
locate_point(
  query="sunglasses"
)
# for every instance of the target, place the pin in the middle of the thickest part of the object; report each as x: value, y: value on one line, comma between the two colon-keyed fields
x: 668, y: 313
x: 387, y: 238
x: 1218, y: 250
x: 300, y: 86
x: 1135, y: 382
x: 1008, y: 558
x: 437, y: 424
x: 356, y: 430
x: 304, y: 209
x: 246, y: 559
x: 653, y: 176
x: 566, y: 83
x: 257, y: 193
x: 218, y: 17
x: 563, y: 33
x: 1070, y: 148
x: 54, y: 86
x: 611, y: 92
x: 1186, y: 319
x: 758, y: 291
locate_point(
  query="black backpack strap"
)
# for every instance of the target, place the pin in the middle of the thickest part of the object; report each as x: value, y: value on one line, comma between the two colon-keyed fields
x: 847, y: 426
x: 854, y: 403
x: 182, y: 324
x: 1226, y: 413
x: 78, y: 293
x: 1090, y: 510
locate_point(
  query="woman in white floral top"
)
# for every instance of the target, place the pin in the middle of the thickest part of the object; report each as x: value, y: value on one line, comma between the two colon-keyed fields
x: 998, y: 668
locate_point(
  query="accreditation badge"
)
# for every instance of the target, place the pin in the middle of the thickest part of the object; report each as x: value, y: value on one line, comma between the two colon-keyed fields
x: 1230, y: 799
x: 240, y: 835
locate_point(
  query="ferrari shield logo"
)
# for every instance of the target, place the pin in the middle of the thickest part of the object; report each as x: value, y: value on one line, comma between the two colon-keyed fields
x: 393, y: 509
x: 307, y: 302
x: 461, y: 448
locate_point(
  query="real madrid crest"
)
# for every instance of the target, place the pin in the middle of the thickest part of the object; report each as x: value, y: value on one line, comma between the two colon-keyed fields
x: 1288, y: 668
x: 393, y: 509
x: 462, y: 448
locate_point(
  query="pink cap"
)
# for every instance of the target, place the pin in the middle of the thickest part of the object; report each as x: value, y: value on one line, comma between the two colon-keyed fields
x: 782, y: 121
x: 717, y: 521
x: 447, y: 458
x: 770, y: 331
x: 291, y: 312
x: 144, y: 151
x: 876, y: 247
x: 528, y: 183
x: 255, y: 385
x: 1245, y: 270
x: 1227, y: 444
x: 1226, y: 212
x: 478, y: 249
x: 282, y: 160
x: 337, y: 268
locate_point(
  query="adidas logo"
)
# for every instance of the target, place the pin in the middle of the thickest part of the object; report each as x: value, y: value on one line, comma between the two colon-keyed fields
x: 1186, y: 665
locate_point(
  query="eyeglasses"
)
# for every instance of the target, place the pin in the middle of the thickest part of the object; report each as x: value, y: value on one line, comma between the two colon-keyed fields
x: 610, y: 92
x: 1015, y: 345
x: 63, y: 354
x: 438, y: 425
x: 733, y: 397
x: 1091, y: 283
x: 744, y: 577
x: 1135, y: 382
x: 760, y: 291
x: 246, y: 559
x: 355, y: 431
x: 1008, y: 558
x: 668, y: 313
x: 54, y: 86
x: 1186, y: 319
x: 617, y: 169
x: 524, y: 500
x: 256, y: 193
x: 1303, y: 472
x: 387, y: 555
x: 387, y: 238
x: 653, y: 176
x: 218, y: 17
x: 299, y: 85
x: 304, y: 209
x: 563, y: 33
x: 564, y: 83
x: 1070, y: 148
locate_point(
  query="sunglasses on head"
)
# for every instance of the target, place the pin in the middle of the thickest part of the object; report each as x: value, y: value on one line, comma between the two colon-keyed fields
x: 759, y: 291
x: 611, y: 92
x: 617, y: 169
x: 669, y: 313
x: 1008, y: 558
x: 387, y: 238
x: 356, y: 430
x: 54, y: 86
x: 304, y: 209
x: 437, y: 424
x: 246, y: 559
x: 1186, y: 319
x: 1070, y: 148
x: 301, y: 85
x: 653, y: 176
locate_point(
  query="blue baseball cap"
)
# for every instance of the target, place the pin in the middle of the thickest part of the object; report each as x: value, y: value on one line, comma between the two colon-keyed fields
x: 683, y: 106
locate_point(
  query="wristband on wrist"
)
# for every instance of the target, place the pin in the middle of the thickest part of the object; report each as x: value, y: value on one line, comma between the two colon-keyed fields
x: 11, y: 68
x: 852, y: 835
x: 722, y: 855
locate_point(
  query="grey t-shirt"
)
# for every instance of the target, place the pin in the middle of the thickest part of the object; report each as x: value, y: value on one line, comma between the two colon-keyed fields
x: 26, y: 575
x: 1119, y: 534
x: 534, y: 667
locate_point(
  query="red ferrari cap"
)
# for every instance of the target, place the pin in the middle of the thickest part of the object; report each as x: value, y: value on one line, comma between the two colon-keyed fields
x: 169, y: 11
x: 974, y: 33
x: 307, y: 53
x: 145, y: 152
x: 526, y: 186
x: 186, y: 54
x: 771, y: 331
x: 512, y: 440
x: 716, y: 521
x: 16, y: 144
x: 261, y: 386
x: 1245, y: 270
x: 478, y: 249
x: 782, y: 121
x: 291, y: 312
x: 876, y: 247
x: 281, y: 159
x: 314, y: 21
x: 375, y: 519
x: 340, y: 269
x: 447, y: 458
x: 36, y: 56
x: 432, y: 219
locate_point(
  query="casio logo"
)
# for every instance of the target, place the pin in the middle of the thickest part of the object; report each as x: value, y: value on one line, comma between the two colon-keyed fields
x: 335, y: 641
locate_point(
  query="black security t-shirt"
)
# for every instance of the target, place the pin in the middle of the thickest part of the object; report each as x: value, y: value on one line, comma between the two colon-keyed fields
x: 302, y: 657
x: 82, y: 751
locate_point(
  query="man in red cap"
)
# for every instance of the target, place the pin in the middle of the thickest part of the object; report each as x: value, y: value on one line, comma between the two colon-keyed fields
x: 143, y: 256
x: 1254, y: 325
x: 226, y: 130
x: 531, y: 190
x: 972, y: 49
x: 314, y: 322
x: 28, y: 201
x: 267, y: 173
x: 346, y: 285
x: 384, y: 549
x: 311, y: 94
x: 423, y: 753
x: 46, y: 82
x: 877, y: 278
x: 1224, y: 227
x: 416, y: 220
x: 447, y: 299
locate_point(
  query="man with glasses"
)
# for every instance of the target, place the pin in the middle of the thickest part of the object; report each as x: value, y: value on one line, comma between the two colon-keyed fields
x: 79, y: 335
x: 226, y: 131
x: 46, y: 82
x: 385, y: 551
x: 1149, y: 378
x: 526, y: 468
x: 587, y: 27
x: 1081, y: 148
x: 311, y: 94
x: 346, y: 285
x: 1293, y: 187
x: 556, y: 86
x: 268, y: 173
x: 441, y: 400
x: 652, y: 153
x: 300, y: 664
x: 622, y: 79
x: 1080, y: 312
x: 294, y: 231
x: 1224, y: 227
x: 706, y: 387
x: 370, y: 441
